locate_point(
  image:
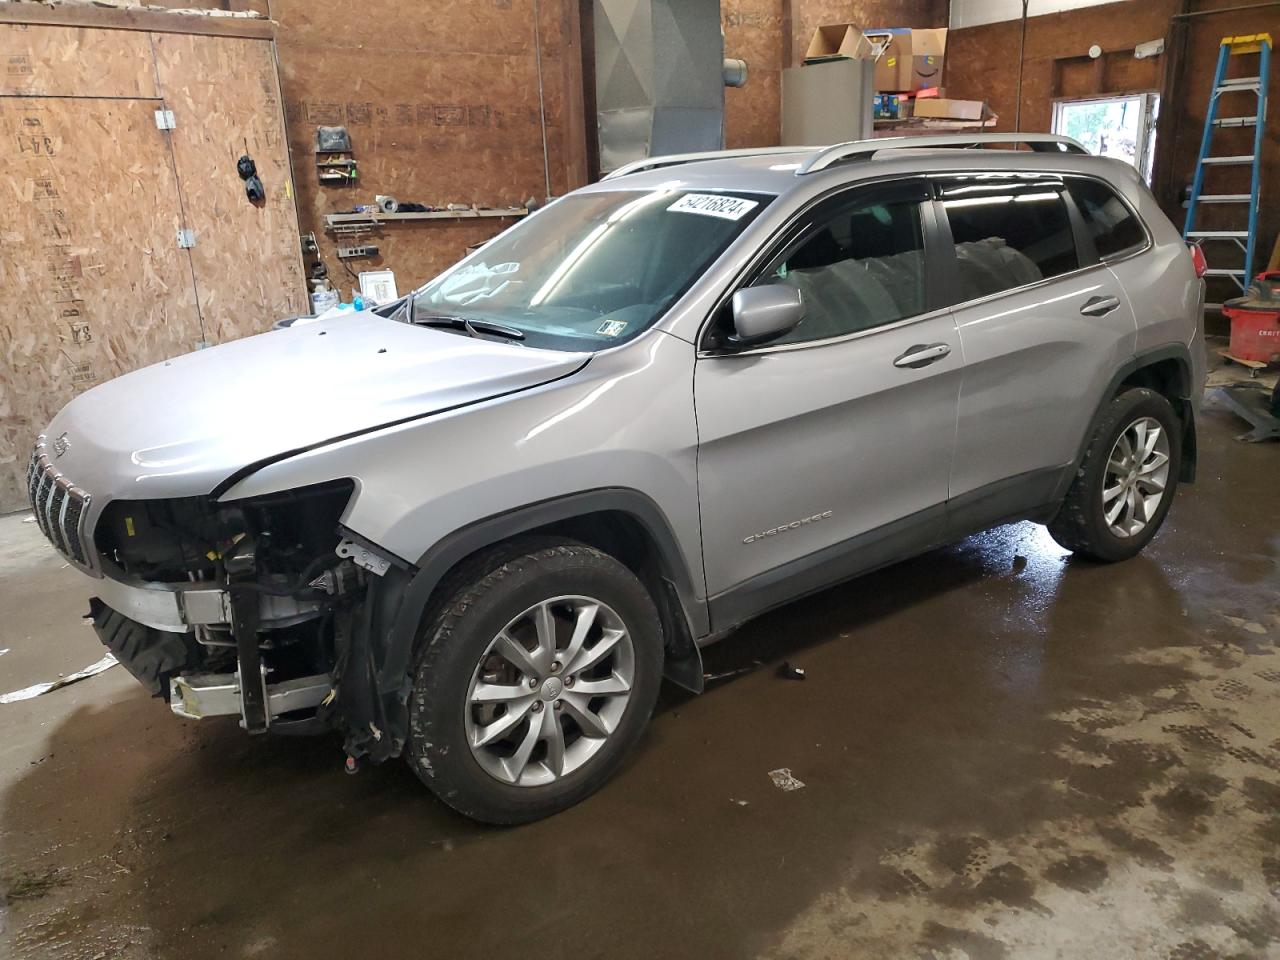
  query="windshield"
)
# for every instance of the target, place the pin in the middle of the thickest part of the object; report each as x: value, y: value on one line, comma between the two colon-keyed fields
x: 590, y: 271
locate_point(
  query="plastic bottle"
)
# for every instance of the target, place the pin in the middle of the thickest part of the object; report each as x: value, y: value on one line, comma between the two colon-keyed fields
x: 323, y: 297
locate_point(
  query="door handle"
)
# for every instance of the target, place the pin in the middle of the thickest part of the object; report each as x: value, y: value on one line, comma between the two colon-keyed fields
x: 1099, y: 306
x: 921, y: 355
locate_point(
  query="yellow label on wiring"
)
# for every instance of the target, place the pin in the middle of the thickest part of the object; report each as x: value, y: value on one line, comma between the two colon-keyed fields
x: 128, y: 526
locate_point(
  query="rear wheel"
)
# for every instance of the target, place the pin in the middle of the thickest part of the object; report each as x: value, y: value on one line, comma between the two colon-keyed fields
x: 535, y: 680
x: 1123, y: 489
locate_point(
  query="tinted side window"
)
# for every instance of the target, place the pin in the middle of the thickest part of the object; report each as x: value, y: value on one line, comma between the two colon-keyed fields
x: 1007, y: 234
x: 1113, y: 228
x: 861, y: 268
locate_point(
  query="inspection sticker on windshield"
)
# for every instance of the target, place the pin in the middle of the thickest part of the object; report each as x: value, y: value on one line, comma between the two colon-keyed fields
x: 714, y: 205
x: 611, y: 328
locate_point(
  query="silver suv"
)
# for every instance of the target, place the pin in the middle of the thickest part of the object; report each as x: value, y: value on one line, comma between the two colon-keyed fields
x: 478, y: 526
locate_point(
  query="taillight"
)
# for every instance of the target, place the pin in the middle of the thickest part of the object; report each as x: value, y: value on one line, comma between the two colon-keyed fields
x: 1197, y: 259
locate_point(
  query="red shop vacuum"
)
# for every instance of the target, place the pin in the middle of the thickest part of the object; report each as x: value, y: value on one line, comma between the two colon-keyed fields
x: 1255, y: 342
x: 1255, y: 321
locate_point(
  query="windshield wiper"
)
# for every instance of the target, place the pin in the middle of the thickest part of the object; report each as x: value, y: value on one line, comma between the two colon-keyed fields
x: 473, y: 328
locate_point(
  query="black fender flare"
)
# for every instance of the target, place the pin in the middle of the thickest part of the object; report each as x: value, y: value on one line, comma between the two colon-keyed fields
x: 406, y: 595
x: 1179, y: 352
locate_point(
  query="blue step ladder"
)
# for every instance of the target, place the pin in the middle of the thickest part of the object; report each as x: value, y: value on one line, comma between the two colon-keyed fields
x: 1246, y: 239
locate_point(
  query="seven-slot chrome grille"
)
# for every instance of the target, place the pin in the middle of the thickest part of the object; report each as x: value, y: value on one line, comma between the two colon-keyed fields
x: 59, y: 506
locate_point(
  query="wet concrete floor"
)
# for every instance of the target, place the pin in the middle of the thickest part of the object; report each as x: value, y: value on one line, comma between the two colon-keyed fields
x: 1005, y: 752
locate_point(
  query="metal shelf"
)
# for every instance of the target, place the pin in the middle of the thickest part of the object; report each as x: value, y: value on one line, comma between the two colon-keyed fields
x: 885, y: 128
x: 336, y: 219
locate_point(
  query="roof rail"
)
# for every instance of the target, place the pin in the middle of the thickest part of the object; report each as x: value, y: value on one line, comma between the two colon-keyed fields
x: 1040, y: 142
x: 674, y: 159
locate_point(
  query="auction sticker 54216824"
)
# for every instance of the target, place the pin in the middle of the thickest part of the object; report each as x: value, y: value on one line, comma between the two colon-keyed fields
x: 714, y: 205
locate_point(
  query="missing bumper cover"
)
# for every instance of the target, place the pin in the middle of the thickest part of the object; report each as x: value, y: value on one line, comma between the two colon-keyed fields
x: 199, y: 695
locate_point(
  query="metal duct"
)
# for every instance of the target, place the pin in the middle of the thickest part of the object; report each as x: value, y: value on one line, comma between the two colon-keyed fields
x: 659, y: 78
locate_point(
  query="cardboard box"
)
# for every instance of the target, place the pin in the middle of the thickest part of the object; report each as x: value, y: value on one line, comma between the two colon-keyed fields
x: 827, y: 102
x: 908, y: 59
x: 893, y: 59
x: 943, y: 108
x: 836, y: 40
x: 928, y: 53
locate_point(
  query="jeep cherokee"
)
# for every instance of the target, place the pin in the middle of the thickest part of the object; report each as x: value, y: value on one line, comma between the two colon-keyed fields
x: 478, y: 526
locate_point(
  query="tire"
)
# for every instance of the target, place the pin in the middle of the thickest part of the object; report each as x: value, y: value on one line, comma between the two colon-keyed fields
x: 1081, y: 524
x: 462, y: 658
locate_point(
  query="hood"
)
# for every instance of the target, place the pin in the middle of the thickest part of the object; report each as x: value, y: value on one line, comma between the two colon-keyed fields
x: 181, y: 427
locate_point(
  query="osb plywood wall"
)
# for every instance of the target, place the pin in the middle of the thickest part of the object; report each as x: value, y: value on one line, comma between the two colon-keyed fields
x: 772, y: 34
x: 92, y: 281
x: 224, y: 94
x: 441, y: 101
x: 85, y: 293
x: 1056, y: 64
x: 216, y: 7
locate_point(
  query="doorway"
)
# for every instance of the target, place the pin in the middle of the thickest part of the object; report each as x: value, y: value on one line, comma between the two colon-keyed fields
x: 1121, y: 127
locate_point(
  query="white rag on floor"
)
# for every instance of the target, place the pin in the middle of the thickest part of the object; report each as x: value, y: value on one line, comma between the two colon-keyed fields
x: 34, y: 691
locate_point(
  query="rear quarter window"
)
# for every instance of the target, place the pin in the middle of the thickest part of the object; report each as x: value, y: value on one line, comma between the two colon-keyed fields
x: 1115, y: 230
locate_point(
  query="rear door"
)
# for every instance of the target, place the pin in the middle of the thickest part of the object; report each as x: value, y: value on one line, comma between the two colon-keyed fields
x: 828, y: 450
x: 1043, y: 326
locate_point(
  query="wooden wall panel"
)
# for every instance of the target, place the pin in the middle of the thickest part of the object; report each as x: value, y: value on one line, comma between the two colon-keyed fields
x: 225, y: 98
x: 754, y: 30
x: 445, y: 111
x: 1180, y: 149
x: 442, y: 103
x: 1125, y: 72
x: 75, y: 62
x: 982, y: 62
x: 92, y: 283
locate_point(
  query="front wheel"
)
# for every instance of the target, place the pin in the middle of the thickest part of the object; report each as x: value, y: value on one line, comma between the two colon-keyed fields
x: 534, y: 681
x: 1123, y: 489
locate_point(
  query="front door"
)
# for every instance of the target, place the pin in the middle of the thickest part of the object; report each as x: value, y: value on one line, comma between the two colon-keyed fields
x: 828, y: 451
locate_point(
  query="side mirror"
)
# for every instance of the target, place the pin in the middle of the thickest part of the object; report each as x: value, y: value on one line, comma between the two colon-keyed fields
x: 761, y: 314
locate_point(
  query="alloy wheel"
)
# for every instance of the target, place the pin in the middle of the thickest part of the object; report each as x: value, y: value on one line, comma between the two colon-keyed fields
x: 1135, y: 478
x: 549, y: 690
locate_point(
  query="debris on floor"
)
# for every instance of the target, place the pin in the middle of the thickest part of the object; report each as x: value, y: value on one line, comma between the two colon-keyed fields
x: 737, y: 803
x: 29, y: 886
x: 784, y: 780
x: 789, y: 671
x: 736, y: 672
x: 27, y: 693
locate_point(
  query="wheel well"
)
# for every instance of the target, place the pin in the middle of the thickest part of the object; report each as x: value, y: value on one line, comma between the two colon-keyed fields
x: 629, y: 541
x: 1170, y: 378
x: 625, y: 538
x: 1167, y: 377
x: 618, y: 534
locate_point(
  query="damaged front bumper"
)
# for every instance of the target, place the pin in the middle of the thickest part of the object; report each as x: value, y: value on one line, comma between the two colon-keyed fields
x: 179, y: 607
x: 199, y: 695
x: 155, y: 630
